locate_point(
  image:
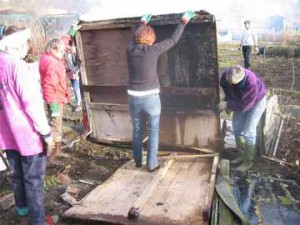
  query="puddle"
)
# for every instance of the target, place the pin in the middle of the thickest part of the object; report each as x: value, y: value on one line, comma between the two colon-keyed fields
x: 267, y: 199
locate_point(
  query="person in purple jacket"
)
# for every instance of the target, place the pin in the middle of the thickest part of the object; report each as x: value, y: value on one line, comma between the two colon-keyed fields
x: 24, y: 128
x: 245, y: 95
x: 143, y: 86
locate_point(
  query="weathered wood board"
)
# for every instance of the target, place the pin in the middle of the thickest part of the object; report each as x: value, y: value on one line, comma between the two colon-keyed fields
x: 188, y: 75
x: 181, y: 196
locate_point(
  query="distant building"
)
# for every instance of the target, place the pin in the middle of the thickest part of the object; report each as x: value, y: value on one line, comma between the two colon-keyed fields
x: 275, y: 23
x: 224, y: 36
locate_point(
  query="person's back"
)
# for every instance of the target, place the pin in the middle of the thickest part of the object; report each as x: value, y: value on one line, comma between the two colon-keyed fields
x: 24, y: 129
x: 143, y: 86
x: 142, y: 59
x: 53, y: 80
x: 17, y: 88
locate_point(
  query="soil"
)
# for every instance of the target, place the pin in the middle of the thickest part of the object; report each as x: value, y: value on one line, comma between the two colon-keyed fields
x: 86, y: 164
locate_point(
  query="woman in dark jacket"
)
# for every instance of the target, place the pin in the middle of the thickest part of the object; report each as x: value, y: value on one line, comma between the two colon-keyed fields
x: 143, y: 86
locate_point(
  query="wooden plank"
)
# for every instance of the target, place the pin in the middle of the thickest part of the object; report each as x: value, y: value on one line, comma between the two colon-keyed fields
x: 190, y: 156
x: 285, y: 92
x: 177, y: 198
x: 110, y: 106
x: 104, y: 88
x: 271, y: 125
x: 148, y: 191
x: 112, y: 122
x: 199, y: 91
x: 205, y: 150
x: 87, y: 115
x: 211, y: 189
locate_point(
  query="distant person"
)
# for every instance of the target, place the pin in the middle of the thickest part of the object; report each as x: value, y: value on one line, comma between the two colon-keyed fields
x: 143, y: 86
x: 55, y: 87
x: 73, y: 73
x: 245, y: 95
x: 24, y: 130
x: 29, y: 58
x: 248, y: 41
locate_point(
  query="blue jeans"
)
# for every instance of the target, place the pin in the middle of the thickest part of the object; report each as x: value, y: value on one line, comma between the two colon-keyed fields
x: 28, y: 183
x: 76, y: 88
x: 245, y: 123
x: 145, y: 109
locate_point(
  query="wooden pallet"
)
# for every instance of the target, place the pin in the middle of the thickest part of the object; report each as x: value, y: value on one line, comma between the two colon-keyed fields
x: 180, y: 192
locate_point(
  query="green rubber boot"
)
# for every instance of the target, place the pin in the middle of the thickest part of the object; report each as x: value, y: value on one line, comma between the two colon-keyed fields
x: 248, y: 158
x: 240, y: 144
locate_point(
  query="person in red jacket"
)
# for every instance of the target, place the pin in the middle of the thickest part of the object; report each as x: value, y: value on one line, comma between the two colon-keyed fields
x: 55, y: 87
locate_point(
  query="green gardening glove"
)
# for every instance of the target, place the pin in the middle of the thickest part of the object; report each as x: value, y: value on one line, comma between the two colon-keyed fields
x: 146, y: 18
x: 73, y: 29
x: 54, y: 110
x: 187, y: 16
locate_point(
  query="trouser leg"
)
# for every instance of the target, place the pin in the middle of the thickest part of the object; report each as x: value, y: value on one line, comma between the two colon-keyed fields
x: 137, y: 125
x: 249, y: 133
x: 153, y: 110
x: 33, y: 175
x: 56, y: 131
x: 246, y: 54
x: 76, y: 88
x: 17, y: 179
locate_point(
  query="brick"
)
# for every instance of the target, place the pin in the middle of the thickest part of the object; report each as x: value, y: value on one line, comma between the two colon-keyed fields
x: 7, y: 201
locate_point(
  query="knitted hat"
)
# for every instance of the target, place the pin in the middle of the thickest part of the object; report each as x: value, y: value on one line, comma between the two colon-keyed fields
x: 235, y: 74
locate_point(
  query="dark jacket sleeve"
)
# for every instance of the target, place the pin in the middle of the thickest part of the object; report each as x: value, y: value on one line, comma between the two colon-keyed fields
x: 165, y: 45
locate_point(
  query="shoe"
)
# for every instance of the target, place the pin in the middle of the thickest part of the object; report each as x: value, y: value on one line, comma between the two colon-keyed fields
x: 154, y: 169
x: 248, y: 158
x: 23, y: 220
x: 237, y: 161
x: 77, y: 108
x: 138, y: 163
x: 22, y: 213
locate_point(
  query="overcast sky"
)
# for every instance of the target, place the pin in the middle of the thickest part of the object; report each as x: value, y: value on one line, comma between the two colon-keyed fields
x: 230, y: 13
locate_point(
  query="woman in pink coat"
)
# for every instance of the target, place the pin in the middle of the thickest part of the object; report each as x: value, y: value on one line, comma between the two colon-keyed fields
x: 24, y: 130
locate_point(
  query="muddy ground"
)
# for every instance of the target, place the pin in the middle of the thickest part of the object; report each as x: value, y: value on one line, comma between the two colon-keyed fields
x: 86, y: 164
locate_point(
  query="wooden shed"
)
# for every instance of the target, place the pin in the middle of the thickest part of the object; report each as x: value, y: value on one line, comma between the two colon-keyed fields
x: 188, y: 75
x: 181, y: 191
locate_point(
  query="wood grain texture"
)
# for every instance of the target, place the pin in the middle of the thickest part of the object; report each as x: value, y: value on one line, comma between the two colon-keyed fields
x: 179, y: 196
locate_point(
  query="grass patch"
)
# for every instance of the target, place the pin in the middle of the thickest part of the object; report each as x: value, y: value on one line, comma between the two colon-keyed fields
x: 51, y: 181
x: 4, y: 192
